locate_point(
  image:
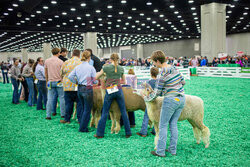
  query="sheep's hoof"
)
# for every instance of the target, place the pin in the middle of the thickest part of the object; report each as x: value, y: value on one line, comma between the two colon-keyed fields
x: 112, y: 132
x: 116, y: 133
x: 207, y: 145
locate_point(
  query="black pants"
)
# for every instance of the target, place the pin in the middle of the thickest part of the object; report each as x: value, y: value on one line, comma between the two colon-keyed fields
x: 26, y: 90
x: 131, y: 117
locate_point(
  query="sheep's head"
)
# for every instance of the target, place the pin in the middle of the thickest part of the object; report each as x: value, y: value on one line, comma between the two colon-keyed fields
x: 146, y: 89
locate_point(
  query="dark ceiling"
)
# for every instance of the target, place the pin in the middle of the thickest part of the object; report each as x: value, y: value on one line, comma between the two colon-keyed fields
x: 29, y: 23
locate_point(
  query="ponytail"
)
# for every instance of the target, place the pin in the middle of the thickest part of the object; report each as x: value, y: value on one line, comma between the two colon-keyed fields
x: 85, y: 55
x: 115, y: 58
x: 34, y: 66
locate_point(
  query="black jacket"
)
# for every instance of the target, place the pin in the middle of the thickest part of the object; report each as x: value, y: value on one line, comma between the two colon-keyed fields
x: 97, y: 63
x: 62, y: 58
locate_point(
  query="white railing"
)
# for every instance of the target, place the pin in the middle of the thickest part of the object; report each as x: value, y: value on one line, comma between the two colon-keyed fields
x: 143, y: 73
x: 233, y: 72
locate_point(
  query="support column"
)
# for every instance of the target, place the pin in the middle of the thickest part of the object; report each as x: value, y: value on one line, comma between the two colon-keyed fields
x: 100, y: 53
x: 213, y: 30
x: 24, y: 55
x: 139, y: 51
x: 90, y: 41
x: 46, y: 50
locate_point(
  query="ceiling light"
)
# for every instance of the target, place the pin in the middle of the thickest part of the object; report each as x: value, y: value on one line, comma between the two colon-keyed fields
x: 141, y: 14
x: 53, y: 2
x: 109, y: 6
x: 245, y: 13
x: 149, y: 3
x: 133, y: 9
x: 176, y: 12
x: 83, y: 4
x: 10, y: 9
x: 45, y: 7
x: 123, y: 1
x: 64, y: 13
x: 15, y: 5
x: 73, y: 9
x: 190, y: 1
x: 193, y: 8
x: 5, y: 14
x: 171, y: 6
x: 38, y: 12
x: 156, y: 10
x: 98, y: 11
x: 120, y: 13
x: 56, y: 16
x: 88, y: 15
x: 78, y: 18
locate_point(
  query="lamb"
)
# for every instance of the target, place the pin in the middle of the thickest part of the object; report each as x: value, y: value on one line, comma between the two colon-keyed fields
x: 193, y: 111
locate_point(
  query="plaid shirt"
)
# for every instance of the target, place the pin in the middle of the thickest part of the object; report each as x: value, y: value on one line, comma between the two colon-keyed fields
x: 66, y: 69
x: 169, y: 83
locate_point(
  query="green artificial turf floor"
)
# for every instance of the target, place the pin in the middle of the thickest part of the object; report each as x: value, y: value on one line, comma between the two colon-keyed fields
x: 27, y: 139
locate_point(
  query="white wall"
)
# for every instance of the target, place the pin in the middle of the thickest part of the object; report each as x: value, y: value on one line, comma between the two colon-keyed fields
x: 31, y: 55
x: 238, y: 42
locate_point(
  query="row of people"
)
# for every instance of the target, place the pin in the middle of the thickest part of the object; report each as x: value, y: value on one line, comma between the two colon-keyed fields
x: 73, y: 81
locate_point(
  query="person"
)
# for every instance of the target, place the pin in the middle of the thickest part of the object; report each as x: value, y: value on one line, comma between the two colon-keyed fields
x: 204, y: 61
x: 5, y: 70
x: 215, y: 62
x: 143, y: 132
x: 38, y: 68
x: 185, y: 62
x: 194, y: 62
x: 63, y: 54
x: 53, y: 78
x: 114, y: 73
x: 131, y: 80
x: 28, y: 75
x: 70, y: 89
x: 16, y: 77
x: 170, y: 85
x: 84, y: 75
x: 239, y: 61
x: 96, y: 61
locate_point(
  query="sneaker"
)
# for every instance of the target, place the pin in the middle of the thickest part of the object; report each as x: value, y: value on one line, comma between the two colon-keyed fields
x: 170, y: 152
x: 155, y: 154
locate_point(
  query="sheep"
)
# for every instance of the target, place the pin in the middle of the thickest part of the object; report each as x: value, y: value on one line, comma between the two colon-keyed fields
x: 193, y: 111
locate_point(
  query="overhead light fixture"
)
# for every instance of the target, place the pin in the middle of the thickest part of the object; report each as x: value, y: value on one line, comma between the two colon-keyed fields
x: 15, y: 5
x: 172, y: 6
x: 109, y: 6
x: 123, y: 1
x: 149, y: 3
x: 53, y: 2
x: 83, y: 4
x: 73, y: 9
x: 45, y: 7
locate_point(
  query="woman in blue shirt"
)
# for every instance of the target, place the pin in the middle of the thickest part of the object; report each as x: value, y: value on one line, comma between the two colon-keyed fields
x: 83, y: 75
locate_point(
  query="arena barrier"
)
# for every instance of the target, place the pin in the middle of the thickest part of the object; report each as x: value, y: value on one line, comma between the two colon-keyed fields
x: 233, y: 72
x: 143, y: 73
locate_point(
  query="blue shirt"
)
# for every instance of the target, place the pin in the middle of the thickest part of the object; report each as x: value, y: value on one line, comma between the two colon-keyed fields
x: 203, y: 62
x: 39, y: 72
x: 152, y: 82
x: 91, y: 62
x: 83, y: 74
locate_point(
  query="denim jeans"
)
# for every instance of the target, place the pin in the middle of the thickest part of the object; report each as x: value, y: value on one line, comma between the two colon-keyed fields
x: 35, y: 94
x: 26, y: 90
x: 15, y: 97
x: 85, y: 95
x: 144, y: 126
x: 55, y: 102
x: 70, y: 97
x: 5, y: 77
x: 131, y: 118
x: 42, y: 96
x: 108, y: 99
x: 30, y: 83
x: 51, y: 94
x: 170, y: 113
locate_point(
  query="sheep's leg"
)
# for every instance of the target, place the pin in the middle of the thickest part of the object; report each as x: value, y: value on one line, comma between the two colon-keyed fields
x: 197, y: 132
x: 117, y: 116
x: 92, y: 119
x: 205, y: 133
x: 156, y: 126
x: 113, y: 121
x: 150, y: 124
x: 97, y: 117
x: 74, y: 113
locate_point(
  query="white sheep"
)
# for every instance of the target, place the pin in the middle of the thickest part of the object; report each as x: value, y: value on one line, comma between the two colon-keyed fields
x: 193, y: 111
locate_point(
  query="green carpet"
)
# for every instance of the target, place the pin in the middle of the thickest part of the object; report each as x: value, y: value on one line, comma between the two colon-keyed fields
x: 27, y: 139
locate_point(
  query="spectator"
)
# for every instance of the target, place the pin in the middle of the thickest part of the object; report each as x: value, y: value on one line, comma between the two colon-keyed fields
x: 206, y: 61
x: 5, y: 69
x: 185, y: 62
x: 15, y: 80
x: 83, y: 75
x: 203, y: 62
x: 63, y: 54
x: 28, y: 74
x: 70, y: 89
x: 41, y: 84
x: 194, y: 62
x: 97, y: 63
x: 239, y: 61
x: 52, y: 74
x: 215, y: 62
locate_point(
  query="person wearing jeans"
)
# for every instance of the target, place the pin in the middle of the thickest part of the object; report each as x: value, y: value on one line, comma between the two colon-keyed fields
x: 114, y: 73
x: 83, y: 75
x: 144, y: 127
x: 52, y: 74
x: 28, y: 74
x: 70, y: 89
x: 170, y: 85
x: 41, y: 84
x: 15, y: 80
x: 5, y: 69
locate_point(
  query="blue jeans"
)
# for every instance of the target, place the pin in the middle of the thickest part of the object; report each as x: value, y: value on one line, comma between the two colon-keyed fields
x: 144, y: 126
x: 55, y: 102
x: 70, y: 97
x: 42, y: 96
x: 108, y: 99
x: 35, y: 94
x: 5, y: 77
x: 170, y: 113
x: 30, y: 83
x: 15, y: 97
x: 85, y: 95
x: 51, y: 94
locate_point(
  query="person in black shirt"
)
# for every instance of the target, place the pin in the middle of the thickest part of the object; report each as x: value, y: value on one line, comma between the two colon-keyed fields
x: 97, y: 62
x: 63, y: 54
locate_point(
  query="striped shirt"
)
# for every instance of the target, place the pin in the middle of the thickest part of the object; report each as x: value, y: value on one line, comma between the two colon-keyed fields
x: 170, y: 82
